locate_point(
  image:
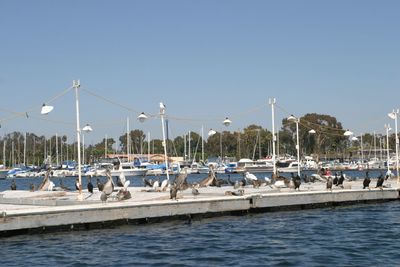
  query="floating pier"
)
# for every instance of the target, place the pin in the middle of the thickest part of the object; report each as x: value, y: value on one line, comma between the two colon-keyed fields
x: 24, y: 212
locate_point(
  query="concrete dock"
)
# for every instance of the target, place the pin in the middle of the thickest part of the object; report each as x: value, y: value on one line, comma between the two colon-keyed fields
x: 23, y: 212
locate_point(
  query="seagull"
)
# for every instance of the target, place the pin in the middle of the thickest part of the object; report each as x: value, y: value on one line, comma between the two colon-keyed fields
x: 250, y: 176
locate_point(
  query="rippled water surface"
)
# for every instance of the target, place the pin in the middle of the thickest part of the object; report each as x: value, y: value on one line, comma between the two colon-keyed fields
x: 362, y: 235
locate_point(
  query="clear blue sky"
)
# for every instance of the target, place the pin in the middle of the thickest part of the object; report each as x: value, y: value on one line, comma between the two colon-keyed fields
x: 204, y: 59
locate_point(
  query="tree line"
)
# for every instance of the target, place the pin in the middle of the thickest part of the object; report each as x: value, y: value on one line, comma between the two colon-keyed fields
x: 252, y: 142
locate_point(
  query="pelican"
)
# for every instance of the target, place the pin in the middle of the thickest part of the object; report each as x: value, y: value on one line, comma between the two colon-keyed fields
x: 46, y: 181
x: 164, y: 185
x: 123, y: 193
x: 250, y: 176
x: 209, y: 179
x: 103, y: 197
x: 180, y: 180
x: 109, y: 185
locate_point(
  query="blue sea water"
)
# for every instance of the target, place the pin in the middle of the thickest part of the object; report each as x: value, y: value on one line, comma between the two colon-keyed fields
x: 359, y: 235
x: 362, y: 235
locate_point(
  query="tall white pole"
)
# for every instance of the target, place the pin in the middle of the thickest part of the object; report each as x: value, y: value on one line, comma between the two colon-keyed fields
x: 105, y: 146
x: 202, y: 143
x: 76, y: 85
x: 57, y: 161
x: 272, y: 102
x: 397, y: 147
x: 4, y: 153
x: 387, y: 126
x: 298, y: 147
x: 148, y: 147
x: 184, y: 147
x: 162, y: 114
x: 362, y: 151
x: 25, y: 150
x: 83, y: 148
x: 128, y: 143
x: 190, y: 152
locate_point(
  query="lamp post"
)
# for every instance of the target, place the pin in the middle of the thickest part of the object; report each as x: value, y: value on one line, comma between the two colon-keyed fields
x: 162, y: 114
x: 387, y: 127
x: 86, y: 129
x: 393, y: 115
x: 272, y: 102
x: 76, y: 84
x: 226, y: 122
x: 296, y: 120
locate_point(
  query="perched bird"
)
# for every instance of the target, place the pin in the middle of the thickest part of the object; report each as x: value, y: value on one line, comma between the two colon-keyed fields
x: 122, y: 178
x: 46, y: 181
x: 340, y: 181
x: 250, y: 177
x: 13, y: 185
x: 32, y: 187
x: 62, y: 186
x: 77, y: 184
x: 366, y: 181
x: 103, y: 197
x: 124, y: 193
x: 100, y: 185
x: 164, y: 185
x: 195, y: 191
x: 173, y: 192
x: 380, y: 181
x: 90, y: 186
x: 329, y: 184
x: 230, y: 181
x: 147, y: 182
x: 240, y: 192
x: 336, y: 180
x: 236, y: 185
x: 297, y: 182
x: 109, y: 185
x: 156, y: 184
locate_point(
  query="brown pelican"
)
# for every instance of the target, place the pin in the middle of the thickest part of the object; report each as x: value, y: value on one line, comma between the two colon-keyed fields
x: 123, y: 193
x: 181, y: 179
x: 46, y: 181
x: 109, y: 185
x: 209, y: 179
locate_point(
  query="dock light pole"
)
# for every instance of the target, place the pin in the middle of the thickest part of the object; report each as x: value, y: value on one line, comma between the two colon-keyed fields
x: 164, y: 143
x: 387, y: 127
x: 272, y: 102
x: 393, y: 115
x: 76, y: 84
x: 348, y: 133
x: 292, y: 118
x: 226, y: 122
x: 142, y: 118
x: 86, y: 129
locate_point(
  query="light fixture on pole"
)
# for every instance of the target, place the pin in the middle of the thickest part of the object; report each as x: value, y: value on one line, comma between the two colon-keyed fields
x: 393, y: 115
x: 142, y: 117
x: 226, y: 122
x: 46, y: 109
x: 292, y: 118
x: 86, y: 129
x: 162, y: 114
x: 387, y: 127
x: 312, y: 131
x: 211, y: 132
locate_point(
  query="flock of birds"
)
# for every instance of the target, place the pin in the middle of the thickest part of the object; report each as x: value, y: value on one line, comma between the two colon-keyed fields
x: 180, y: 183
